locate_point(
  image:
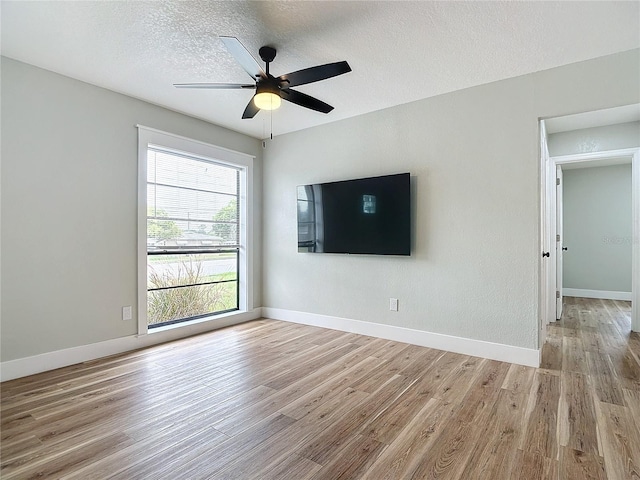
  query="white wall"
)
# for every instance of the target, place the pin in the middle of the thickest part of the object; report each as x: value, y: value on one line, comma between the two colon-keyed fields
x: 597, y: 228
x: 597, y: 139
x: 69, y: 207
x: 473, y: 272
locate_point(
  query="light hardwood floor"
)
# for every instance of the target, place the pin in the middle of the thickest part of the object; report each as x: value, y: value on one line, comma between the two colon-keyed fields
x: 273, y: 400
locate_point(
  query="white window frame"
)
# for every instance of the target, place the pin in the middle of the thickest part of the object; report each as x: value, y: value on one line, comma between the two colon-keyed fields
x: 151, y: 137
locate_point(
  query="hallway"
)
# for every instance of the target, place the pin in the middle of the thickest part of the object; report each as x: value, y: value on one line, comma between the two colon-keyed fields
x: 590, y: 381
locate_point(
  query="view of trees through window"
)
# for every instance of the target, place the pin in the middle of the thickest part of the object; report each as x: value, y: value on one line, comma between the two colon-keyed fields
x: 192, y: 237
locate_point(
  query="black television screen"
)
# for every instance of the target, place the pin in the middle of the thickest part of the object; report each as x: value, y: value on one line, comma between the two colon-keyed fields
x: 363, y: 216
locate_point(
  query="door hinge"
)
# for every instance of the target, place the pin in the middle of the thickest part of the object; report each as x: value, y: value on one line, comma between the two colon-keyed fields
x: 557, y: 238
x: 557, y: 293
x: 557, y: 181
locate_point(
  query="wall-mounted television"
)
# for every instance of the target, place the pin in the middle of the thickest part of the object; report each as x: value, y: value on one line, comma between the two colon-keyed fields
x: 362, y: 216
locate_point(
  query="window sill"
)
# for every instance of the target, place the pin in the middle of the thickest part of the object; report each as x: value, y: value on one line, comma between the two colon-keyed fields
x: 211, y: 318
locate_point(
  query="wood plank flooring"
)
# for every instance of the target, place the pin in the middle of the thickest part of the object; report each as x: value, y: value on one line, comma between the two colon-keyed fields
x: 273, y: 400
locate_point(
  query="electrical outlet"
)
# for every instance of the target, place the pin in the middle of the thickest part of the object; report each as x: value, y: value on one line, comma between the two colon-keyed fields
x: 126, y: 313
x: 393, y: 304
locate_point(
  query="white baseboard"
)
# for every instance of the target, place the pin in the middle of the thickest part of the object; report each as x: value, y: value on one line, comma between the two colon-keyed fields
x: 22, y: 367
x: 477, y: 348
x: 605, y: 294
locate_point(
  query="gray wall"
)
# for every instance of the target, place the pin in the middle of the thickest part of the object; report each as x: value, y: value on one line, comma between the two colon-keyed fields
x: 69, y: 207
x: 598, y: 139
x: 597, y: 228
x: 474, y: 157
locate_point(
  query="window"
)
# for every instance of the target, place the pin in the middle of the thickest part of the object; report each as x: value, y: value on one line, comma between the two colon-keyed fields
x: 194, y: 199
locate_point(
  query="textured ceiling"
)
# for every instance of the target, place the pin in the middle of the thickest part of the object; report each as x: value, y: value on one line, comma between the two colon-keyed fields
x: 399, y: 51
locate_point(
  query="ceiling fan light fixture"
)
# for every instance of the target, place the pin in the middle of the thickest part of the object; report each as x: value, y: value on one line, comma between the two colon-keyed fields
x: 270, y: 90
x: 267, y: 100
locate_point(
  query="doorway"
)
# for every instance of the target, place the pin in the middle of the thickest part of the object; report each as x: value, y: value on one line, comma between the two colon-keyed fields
x: 552, y: 239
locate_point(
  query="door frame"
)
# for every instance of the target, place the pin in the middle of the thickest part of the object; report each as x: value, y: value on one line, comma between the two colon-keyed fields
x: 548, y: 225
x: 547, y: 216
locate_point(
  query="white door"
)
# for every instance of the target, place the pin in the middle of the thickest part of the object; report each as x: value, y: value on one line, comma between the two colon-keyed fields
x: 559, y: 242
x: 550, y: 241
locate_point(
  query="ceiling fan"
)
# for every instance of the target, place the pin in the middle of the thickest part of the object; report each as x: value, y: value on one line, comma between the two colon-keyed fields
x: 269, y: 89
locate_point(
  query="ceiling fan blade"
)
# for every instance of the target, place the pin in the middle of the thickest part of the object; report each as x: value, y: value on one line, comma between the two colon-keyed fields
x: 251, y: 110
x: 305, y: 100
x: 314, y: 74
x: 214, y: 85
x: 244, y: 58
